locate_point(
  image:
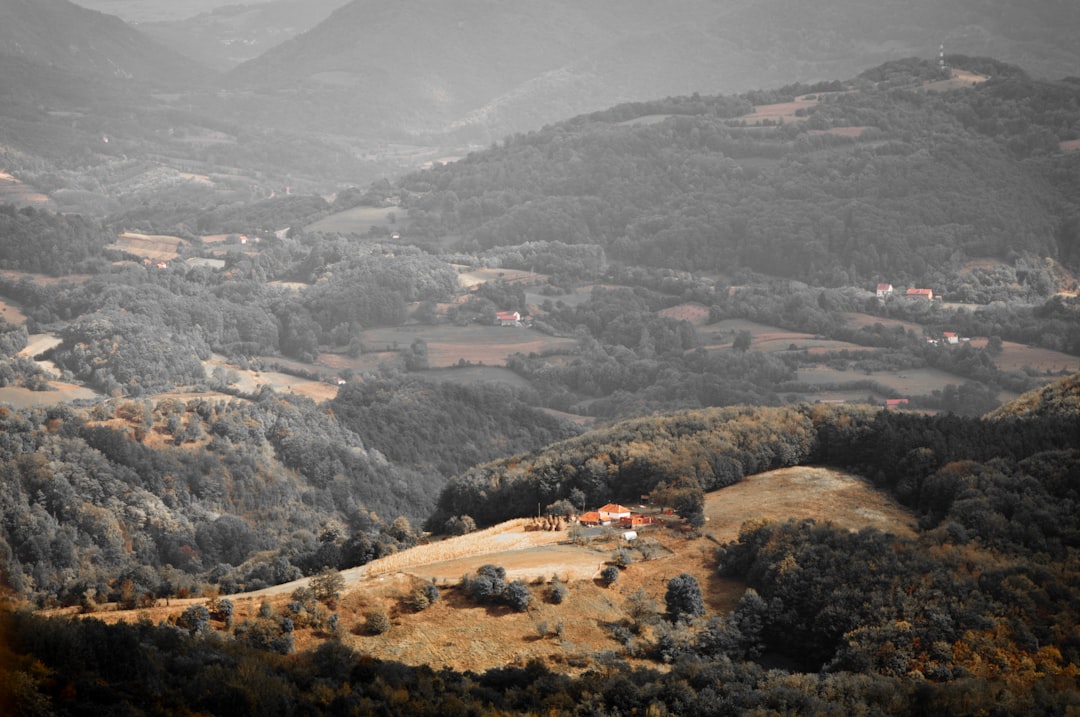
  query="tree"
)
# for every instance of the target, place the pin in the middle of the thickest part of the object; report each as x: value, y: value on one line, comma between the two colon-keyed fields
x: 683, y: 597
x: 742, y: 342
x: 327, y: 585
x: 195, y: 619
x: 459, y: 525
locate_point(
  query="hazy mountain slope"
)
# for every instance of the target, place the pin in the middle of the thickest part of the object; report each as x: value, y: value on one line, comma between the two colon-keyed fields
x: 61, y: 34
x: 498, y: 67
x: 226, y: 36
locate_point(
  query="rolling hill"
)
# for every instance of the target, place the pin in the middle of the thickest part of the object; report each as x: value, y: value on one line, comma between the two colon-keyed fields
x: 482, y: 70
x: 62, y: 35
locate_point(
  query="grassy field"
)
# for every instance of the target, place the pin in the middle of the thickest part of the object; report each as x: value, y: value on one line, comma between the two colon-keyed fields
x: 447, y: 345
x: 19, y: 397
x: 767, y: 338
x: 910, y: 382
x: 359, y: 220
x: 1016, y: 356
x: 157, y: 247
x: 11, y: 313
x: 468, y: 277
x: 477, y: 375
x: 13, y: 191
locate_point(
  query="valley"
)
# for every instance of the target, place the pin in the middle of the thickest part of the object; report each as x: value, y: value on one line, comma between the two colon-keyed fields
x: 458, y: 357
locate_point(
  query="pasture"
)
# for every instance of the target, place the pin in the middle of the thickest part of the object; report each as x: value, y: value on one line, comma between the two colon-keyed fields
x: 19, y: 397
x: 359, y: 220
x: 909, y: 382
x: 1017, y: 357
x: 768, y: 339
x: 156, y: 247
x: 448, y: 345
x: 14, y: 191
x: 11, y: 313
x: 470, y: 277
x: 477, y: 375
x: 249, y: 381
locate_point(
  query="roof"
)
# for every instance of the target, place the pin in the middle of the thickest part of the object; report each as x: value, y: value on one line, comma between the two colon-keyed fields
x: 507, y: 315
x: 884, y: 287
x: 590, y: 517
x: 920, y: 292
x: 614, y: 508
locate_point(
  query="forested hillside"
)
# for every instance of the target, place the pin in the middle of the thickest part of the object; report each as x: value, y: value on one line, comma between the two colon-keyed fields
x: 876, y: 179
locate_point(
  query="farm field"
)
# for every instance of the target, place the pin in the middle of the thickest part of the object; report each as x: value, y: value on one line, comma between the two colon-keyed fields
x: 157, y: 247
x: 11, y: 313
x: 1016, y: 357
x: 468, y: 277
x: 359, y: 220
x: 857, y: 321
x: 19, y: 397
x: 13, y: 191
x: 249, y: 381
x: 447, y: 345
x: 910, y: 382
x: 768, y: 338
x: 476, y: 375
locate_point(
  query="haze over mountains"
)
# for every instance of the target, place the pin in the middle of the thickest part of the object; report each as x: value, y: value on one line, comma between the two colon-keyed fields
x: 480, y: 70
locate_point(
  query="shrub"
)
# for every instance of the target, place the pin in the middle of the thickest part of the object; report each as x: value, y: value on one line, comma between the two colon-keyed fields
x: 423, y: 596
x: 517, y: 595
x: 376, y: 622
x: 557, y: 592
x: 609, y: 575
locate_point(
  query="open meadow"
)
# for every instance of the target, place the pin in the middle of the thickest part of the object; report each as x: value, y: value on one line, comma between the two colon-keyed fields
x: 449, y: 345
x: 359, y: 220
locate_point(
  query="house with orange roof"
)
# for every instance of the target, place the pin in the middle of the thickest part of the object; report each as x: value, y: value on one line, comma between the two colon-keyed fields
x: 590, y: 518
x: 921, y: 294
x: 613, y: 512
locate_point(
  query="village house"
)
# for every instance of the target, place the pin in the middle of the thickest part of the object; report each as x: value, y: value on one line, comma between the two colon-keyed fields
x: 951, y: 338
x: 921, y: 294
x: 636, y: 521
x: 590, y: 518
x: 508, y: 318
x: 613, y: 512
x: 884, y: 291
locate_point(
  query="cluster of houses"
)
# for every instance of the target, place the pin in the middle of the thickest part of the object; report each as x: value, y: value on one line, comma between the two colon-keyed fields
x: 616, y: 515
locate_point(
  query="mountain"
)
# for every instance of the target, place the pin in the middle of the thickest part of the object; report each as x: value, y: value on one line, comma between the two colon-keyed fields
x: 483, y: 69
x: 882, y: 177
x: 231, y: 34
x: 62, y: 35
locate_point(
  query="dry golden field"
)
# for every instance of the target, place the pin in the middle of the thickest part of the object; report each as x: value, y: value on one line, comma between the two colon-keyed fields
x: 465, y: 636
